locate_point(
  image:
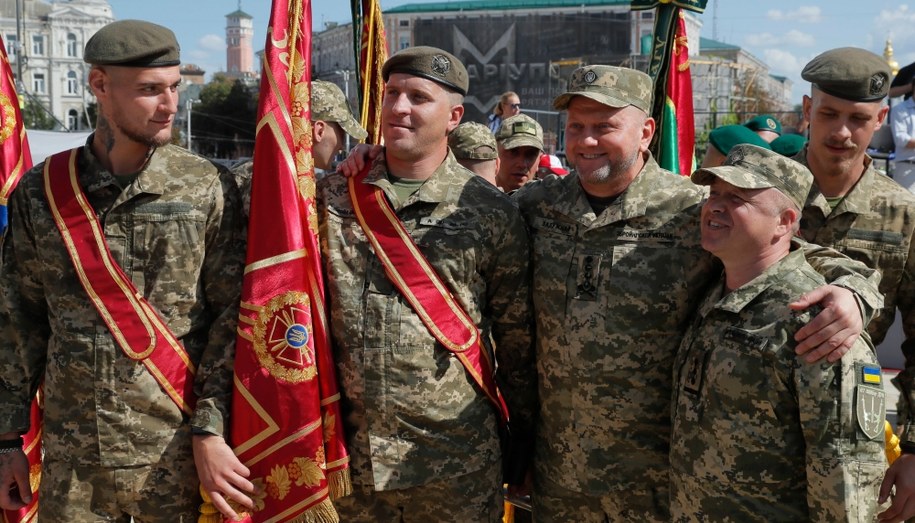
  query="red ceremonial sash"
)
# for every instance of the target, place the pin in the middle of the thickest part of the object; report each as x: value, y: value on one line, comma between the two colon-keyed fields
x: 422, y: 287
x: 132, y: 321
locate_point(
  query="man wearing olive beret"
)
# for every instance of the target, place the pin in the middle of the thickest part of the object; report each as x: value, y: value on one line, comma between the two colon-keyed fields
x: 864, y: 214
x: 421, y: 425
x: 119, y: 293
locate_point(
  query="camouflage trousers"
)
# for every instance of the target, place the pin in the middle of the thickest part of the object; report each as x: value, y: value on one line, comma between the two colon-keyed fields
x: 166, y: 492
x: 553, y: 503
x: 472, y: 498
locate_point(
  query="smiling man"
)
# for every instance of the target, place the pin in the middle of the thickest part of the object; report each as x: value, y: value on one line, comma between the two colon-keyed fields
x: 757, y: 435
x: 427, y: 274
x: 120, y: 287
x: 617, y: 273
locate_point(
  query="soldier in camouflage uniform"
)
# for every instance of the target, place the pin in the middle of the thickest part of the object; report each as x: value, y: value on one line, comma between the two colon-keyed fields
x: 757, y: 435
x: 520, y: 142
x: 474, y: 147
x: 331, y: 117
x: 115, y: 445
x: 423, y: 439
x: 859, y: 211
x: 617, y: 273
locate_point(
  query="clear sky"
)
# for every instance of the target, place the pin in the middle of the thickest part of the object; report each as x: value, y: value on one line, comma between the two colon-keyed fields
x: 783, y: 33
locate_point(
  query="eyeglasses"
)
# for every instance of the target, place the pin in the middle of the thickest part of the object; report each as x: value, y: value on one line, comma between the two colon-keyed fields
x: 515, y: 106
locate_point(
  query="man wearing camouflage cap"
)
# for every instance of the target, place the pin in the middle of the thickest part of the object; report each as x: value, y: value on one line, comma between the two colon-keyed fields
x: 474, y: 147
x: 133, y: 339
x: 756, y: 434
x: 862, y: 213
x: 421, y: 424
x: 520, y: 145
x: 331, y: 119
x: 617, y: 272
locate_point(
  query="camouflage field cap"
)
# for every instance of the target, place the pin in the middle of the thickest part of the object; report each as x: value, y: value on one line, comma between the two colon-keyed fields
x: 328, y: 103
x: 788, y: 144
x: 764, y: 122
x: 611, y: 86
x: 518, y: 131
x: 752, y: 167
x: 431, y: 63
x: 473, y: 141
x: 724, y: 138
x: 850, y: 73
x: 133, y: 43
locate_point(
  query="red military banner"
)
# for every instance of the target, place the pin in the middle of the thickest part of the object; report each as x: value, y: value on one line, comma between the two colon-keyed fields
x: 15, y: 160
x: 285, y: 421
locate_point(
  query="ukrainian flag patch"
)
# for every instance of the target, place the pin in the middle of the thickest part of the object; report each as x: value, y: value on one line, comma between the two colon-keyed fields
x: 871, y: 374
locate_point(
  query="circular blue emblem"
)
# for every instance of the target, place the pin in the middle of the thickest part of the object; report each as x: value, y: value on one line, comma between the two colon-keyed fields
x: 297, y: 336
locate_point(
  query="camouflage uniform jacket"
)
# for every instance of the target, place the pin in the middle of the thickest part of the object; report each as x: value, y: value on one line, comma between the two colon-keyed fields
x: 175, y: 231
x: 412, y: 413
x: 875, y: 224
x: 613, y: 294
x: 759, y: 435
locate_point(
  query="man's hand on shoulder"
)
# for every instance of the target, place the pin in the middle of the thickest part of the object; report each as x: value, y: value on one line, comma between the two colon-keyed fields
x: 834, y: 330
x: 222, y: 475
x: 361, y: 155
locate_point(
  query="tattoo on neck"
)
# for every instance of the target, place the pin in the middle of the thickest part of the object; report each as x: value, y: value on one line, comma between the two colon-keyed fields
x: 104, y: 129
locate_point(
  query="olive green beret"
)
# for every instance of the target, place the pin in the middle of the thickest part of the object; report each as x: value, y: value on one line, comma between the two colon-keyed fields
x: 133, y: 43
x: 849, y: 73
x: 431, y: 63
x: 724, y: 138
x: 329, y: 104
x: 764, y: 122
x: 473, y: 141
x: 788, y: 145
x: 752, y: 167
x: 519, y: 131
x: 612, y: 86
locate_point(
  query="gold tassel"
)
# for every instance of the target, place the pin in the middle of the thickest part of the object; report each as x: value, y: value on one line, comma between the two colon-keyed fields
x: 339, y: 484
x: 323, y: 512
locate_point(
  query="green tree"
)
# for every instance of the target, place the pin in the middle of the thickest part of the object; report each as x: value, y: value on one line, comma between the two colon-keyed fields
x: 35, y: 117
x: 223, y: 123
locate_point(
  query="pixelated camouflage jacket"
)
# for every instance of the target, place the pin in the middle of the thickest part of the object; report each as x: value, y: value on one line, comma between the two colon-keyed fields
x: 760, y: 435
x: 874, y: 224
x: 613, y: 294
x: 176, y: 232
x: 412, y: 413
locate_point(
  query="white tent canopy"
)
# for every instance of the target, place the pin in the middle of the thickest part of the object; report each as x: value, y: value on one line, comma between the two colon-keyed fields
x: 45, y: 143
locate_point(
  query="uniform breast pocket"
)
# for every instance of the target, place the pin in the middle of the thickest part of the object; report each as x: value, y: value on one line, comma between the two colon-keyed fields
x: 166, y: 243
x: 453, y: 247
x: 886, y: 253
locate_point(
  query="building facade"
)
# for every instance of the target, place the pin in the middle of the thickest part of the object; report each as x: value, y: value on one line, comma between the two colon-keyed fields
x: 46, y: 53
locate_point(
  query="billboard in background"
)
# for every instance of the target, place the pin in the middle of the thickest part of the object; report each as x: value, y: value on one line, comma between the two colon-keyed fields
x: 531, y: 54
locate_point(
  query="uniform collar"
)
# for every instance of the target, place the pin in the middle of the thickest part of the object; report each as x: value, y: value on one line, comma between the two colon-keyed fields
x: 445, y: 184
x: 151, y: 179
x: 740, y: 298
x: 856, y: 201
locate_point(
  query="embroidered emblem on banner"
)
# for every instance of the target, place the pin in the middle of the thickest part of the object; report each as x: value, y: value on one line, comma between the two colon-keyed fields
x: 283, y: 338
x: 870, y: 409
x: 8, y: 123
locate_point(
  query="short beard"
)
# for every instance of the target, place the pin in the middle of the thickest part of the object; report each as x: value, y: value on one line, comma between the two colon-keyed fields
x: 148, y: 141
x: 610, y: 171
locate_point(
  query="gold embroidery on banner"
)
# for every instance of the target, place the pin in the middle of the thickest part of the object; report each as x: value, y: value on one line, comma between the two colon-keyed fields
x: 8, y: 124
x: 283, y: 338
